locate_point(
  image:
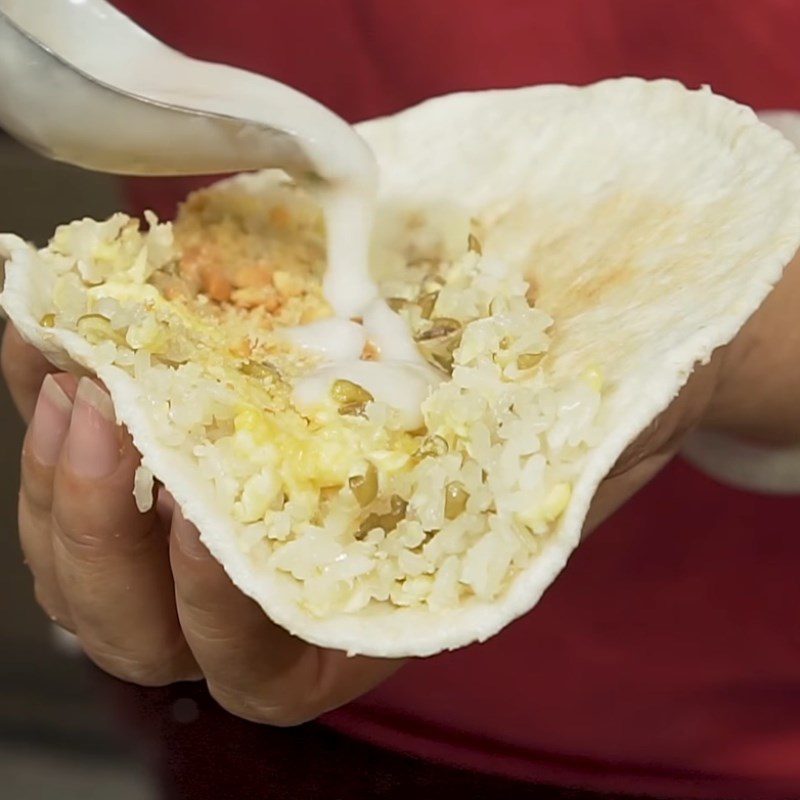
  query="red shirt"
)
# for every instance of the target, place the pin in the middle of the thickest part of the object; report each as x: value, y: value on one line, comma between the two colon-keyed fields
x: 666, y: 659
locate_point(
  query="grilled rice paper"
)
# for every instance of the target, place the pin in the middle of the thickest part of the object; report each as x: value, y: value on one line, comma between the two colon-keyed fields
x: 563, y: 256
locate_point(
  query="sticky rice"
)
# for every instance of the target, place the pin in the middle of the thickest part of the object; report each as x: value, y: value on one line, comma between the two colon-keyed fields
x: 352, y: 507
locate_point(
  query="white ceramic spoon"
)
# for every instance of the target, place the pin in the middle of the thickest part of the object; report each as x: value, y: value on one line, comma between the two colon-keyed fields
x: 82, y: 83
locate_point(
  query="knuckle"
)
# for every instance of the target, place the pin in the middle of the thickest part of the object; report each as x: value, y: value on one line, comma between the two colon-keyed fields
x: 91, y: 526
x: 34, y: 530
x: 207, y: 620
x: 77, y: 538
x: 148, y: 670
x: 284, y: 717
x: 92, y: 541
x: 245, y: 706
x: 53, y: 607
x: 290, y: 716
x: 36, y: 482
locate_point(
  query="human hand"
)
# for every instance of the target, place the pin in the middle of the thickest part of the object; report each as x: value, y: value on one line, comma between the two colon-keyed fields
x: 750, y: 389
x: 142, y: 594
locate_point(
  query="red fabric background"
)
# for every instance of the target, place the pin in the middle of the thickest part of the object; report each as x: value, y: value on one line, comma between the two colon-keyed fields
x: 667, y: 658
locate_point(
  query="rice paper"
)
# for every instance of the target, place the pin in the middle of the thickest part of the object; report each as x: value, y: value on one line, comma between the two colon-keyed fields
x: 564, y: 256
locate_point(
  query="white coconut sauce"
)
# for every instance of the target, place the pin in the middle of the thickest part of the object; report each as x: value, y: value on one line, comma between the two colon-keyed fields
x: 101, y: 42
x: 399, y: 377
x: 335, y: 339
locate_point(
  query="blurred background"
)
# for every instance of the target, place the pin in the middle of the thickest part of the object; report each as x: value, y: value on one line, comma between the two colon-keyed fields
x: 58, y: 738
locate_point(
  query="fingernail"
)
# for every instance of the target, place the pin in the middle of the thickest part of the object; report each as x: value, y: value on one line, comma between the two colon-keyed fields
x: 50, y: 422
x: 92, y: 443
x: 188, y: 536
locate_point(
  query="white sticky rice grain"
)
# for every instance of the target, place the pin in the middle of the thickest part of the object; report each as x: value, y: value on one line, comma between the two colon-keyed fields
x: 143, y: 488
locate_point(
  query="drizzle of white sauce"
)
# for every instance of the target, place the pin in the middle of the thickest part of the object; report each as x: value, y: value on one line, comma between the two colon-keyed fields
x: 335, y: 339
x: 348, y: 211
x: 401, y: 378
x: 390, y: 334
x: 402, y: 387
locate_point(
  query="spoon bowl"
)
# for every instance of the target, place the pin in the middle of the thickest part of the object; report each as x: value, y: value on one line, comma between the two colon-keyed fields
x: 82, y: 83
